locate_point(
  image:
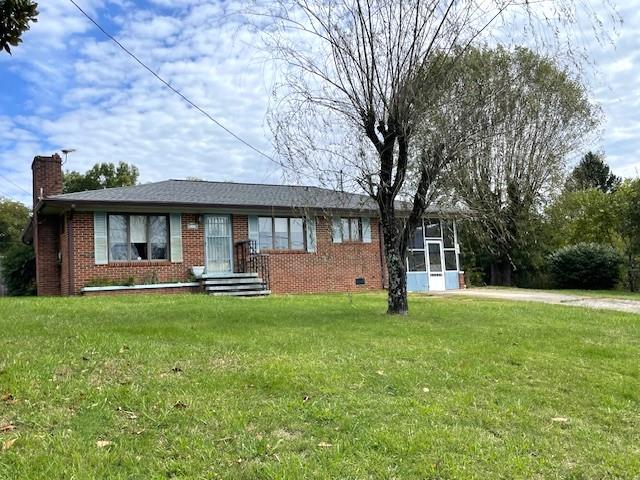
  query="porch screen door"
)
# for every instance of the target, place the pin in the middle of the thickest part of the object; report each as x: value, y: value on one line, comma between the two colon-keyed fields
x: 218, y: 243
x: 436, y: 266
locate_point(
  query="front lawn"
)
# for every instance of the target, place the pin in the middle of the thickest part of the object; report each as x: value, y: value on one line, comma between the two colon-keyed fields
x: 196, y: 387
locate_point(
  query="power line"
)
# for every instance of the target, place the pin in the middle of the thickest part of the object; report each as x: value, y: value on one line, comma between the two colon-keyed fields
x: 168, y: 85
x: 15, y: 184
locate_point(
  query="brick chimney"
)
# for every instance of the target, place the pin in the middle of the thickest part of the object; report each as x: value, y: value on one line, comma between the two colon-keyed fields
x: 47, y: 177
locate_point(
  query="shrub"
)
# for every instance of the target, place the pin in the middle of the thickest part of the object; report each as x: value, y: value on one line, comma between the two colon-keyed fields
x: 19, y: 270
x: 585, y: 265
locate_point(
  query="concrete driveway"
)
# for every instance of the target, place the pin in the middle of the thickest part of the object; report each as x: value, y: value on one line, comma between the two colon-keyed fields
x: 619, y: 304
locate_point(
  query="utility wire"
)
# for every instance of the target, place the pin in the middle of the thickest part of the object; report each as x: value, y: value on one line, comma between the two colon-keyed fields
x: 15, y: 184
x: 168, y: 85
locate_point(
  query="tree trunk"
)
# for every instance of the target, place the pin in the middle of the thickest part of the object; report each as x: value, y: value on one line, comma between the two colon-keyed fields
x: 501, y: 272
x: 395, y: 257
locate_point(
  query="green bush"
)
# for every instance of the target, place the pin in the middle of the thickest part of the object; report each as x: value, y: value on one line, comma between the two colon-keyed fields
x: 19, y: 270
x: 585, y: 265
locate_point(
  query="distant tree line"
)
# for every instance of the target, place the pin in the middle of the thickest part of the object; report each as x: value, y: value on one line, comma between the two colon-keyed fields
x: 594, y: 207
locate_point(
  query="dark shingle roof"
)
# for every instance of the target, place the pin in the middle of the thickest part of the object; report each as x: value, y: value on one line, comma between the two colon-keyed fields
x: 204, y: 193
x: 200, y: 193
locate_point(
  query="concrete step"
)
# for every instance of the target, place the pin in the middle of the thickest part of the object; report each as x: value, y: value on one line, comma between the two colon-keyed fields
x: 231, y: 281
x: 206, y: 276
x: 247, y: 293
x: 228, y: 288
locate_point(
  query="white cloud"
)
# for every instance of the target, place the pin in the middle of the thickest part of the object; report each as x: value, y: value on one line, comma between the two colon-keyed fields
x: 83, y: 92
x: 110, y: 109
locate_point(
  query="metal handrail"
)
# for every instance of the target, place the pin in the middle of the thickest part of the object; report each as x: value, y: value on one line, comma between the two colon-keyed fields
x: 249, y: 260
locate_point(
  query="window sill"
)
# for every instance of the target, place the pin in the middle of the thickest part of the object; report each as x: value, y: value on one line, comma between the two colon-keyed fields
x: 133, y: 263
x: 283, y: 252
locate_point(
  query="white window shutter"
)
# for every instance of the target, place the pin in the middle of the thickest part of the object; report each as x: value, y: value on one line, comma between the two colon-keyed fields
x: 175, y: 229
x: 366, y: 230
x: 100, y: 242
x: 311, y: 234
x: 254, y: 233
x: 336, y: 229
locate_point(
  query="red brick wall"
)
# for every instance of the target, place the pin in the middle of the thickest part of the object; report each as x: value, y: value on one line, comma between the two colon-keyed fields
x: 47, y: 180
x: 240, y: 227
x: 46, y: 242
x: 64, y: 255
x: 47, y: 176
x: 332, y: 268
x: 86, y: 270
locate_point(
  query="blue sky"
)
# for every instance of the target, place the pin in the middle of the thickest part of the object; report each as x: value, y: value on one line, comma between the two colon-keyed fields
x: 67, y: 86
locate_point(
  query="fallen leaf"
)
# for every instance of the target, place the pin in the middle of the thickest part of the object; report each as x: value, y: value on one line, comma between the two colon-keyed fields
x: 325, y: 445
x: 380, y: 372
x: 180, y: 404
x: 103, y: 443
x: 7, y: 444
x: 7, y: 427
x: 425, y: 390
x: 560, y: 419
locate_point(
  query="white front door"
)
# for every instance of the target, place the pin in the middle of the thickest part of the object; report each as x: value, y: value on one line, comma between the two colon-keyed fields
x: 435, y: 266
x: 218, y: 249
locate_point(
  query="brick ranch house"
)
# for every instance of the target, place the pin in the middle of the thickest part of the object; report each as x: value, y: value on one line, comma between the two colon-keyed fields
x: 225, y: 238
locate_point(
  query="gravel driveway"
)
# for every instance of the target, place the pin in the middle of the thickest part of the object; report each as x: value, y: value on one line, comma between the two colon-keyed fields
x: 622, y: 305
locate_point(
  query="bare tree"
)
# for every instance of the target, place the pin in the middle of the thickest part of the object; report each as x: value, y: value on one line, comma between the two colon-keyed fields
x: 533, y: 114
x: 360, y: 85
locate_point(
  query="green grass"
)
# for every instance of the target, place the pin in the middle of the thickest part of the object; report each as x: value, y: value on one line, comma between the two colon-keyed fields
x: 195, y: 387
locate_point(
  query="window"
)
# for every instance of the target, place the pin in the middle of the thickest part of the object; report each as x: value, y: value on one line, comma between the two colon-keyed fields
x: 416, y: 261
x: 297, y: 233
x: 449, y: 241
x: 281, y: 233
x: 138, y: 237
x: 432, y: 228
x: 435, y: 259
x: 418, y: 239
x: 347, y: 230
x: 450, y: 260
x: 449, y: 234
x: 265, y: 236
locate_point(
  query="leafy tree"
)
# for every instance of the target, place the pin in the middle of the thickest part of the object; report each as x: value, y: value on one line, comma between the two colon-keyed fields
x: 101, y: 175
x: 627, y: 204
x: 364, y: 90
x: 592, y: 172
x: 13, y: 218
x: 583, y: 216
x: 19, y: 270
x: 529, y: 114
x: 15, y: 16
